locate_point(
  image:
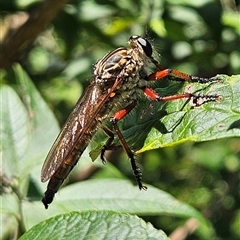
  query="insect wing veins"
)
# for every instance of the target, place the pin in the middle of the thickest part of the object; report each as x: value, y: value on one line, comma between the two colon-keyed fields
x: 78, y: 122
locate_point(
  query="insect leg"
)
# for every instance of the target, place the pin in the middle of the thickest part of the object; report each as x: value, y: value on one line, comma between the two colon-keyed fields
x: 118, y: 116
x: 176, y: 75
x: 197, y: 100
x: 109, y: 144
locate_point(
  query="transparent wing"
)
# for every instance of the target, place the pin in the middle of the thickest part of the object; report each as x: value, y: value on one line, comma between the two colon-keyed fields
x: 78, y: 122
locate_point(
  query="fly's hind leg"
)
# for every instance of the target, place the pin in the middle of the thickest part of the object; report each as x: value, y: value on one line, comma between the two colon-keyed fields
x: 118, y: 116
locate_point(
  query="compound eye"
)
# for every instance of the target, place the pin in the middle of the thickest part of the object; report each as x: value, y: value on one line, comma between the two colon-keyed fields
x: 146, y: 46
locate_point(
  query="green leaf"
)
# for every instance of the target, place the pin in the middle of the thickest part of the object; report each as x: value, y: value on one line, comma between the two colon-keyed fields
x: 14, y: 130
x: 41, y: 117
x: 94, y: 225
x: 117, y: 195
x: 25, y: 120
x: 161, y: 125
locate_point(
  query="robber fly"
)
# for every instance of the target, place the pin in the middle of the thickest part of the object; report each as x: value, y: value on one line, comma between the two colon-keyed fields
x: 117, y: 76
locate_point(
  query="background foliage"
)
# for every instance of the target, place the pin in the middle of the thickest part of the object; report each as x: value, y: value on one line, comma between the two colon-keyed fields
x: 196, y: 37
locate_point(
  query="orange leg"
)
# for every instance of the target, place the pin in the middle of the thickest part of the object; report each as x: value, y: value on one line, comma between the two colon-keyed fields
x: 118, y: 116
x: 176, y: 75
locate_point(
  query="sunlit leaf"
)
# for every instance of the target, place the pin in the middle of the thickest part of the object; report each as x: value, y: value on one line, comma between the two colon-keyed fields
x: 94, y: 225
x: 114, y: 194
x: 178, y: 122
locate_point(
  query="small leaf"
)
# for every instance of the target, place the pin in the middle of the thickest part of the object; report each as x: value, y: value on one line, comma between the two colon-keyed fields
x: 94, y: 225
x: 94, y: 154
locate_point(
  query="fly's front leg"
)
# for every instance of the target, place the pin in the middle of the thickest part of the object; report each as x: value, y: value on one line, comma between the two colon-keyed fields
x: 118, y: 116
x: 197, y: 100
x: 176, y: 75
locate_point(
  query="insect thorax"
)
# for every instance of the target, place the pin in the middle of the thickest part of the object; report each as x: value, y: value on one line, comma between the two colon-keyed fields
x: 126, y: 65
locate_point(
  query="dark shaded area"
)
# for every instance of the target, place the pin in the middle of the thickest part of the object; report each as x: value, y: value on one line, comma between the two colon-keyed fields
x: 235, y: 124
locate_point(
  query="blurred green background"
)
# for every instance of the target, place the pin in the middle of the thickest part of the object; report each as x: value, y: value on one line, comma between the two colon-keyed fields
x: 197, y: 37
